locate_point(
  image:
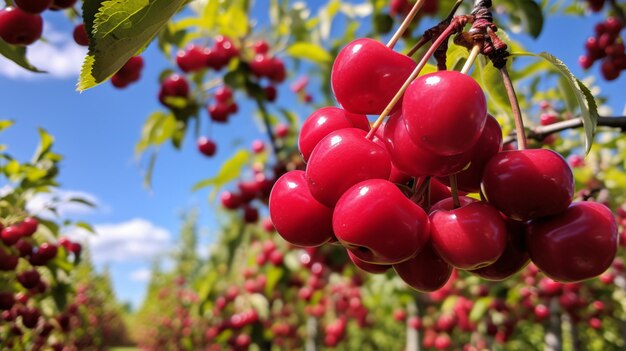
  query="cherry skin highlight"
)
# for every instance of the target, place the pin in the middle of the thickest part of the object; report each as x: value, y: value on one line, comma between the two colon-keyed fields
x: 324, y: 121
x: 366, y: 75
x: 379, y: 224
x: 342, y: 159
x: 18, y: 27
x: 297, y: 216
x: 528, y: 184
x: 578, y: 244
x: 445, y: 112
x: 469, y: 237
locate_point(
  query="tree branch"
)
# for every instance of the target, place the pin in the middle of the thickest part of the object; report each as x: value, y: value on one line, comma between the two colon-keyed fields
x: 541, y: 132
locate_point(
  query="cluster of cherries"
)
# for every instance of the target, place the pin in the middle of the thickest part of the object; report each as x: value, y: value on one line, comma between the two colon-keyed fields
x: 607, y: 45
x: 369, y: 189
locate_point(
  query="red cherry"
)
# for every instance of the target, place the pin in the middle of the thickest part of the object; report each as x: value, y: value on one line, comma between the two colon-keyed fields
x: 18, y: 27
x: 371, y: 208
x: 258, y: 146
x: 7, y: 300
x: 489, y: 144
x: 24, y: 247
x: 430, y: 7
x: 596, y: 5
x: 585, y: 62
x: 399, y: 7
x: 515, y: 256
x: 541, y: 312
x: 80, y: 35
x: 8, y: 262
x: 609, y: 70
x: 270, y: 93
x: 282, y: 130
x: 173, y: 86
x: 414, y: 160
x: 342, y: 159
x: 262, y: 66
x: 367, y: 74
x: 192, y: 59
x: 469, y: 237
x: 29, y: 226
x: 546, y: 119
x: 528, y: 184
x: 11, y: 234
x: 219, y: 112
x: 33, y: 6
x: 131, y: 69
x: 279, y: 72
x: 324, y: 121
x: 425, y: 272
x: 298, y: 217
x: 207, y: 146
x: 368, y: 267
x: 223, y: 94
x: 62, y: 4
x: 445, y: 112
x: 250, y: 214
x: 29, y: 279
x: 575, y: 245
x: 261, y: 47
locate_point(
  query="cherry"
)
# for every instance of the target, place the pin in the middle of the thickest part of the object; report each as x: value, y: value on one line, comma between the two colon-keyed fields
x: 585, y: 62
x: 219, y: 112
x: 425, y: 272
x: 367, y: 74
x: 575, y: 245
x: 8, y: 262
x: 44, y: 254
x: 261, y: 47
x: 262, y: 66
x: 30, y: 317
x: 469, y: 237
x: 541, y: 312
x: 609, y: 70
x: 489, y: 144
x: 515, y: 256
x: 546, y: 119
x: 29, y: 226
x: 372, y: 208
x: 29, y: 279
x: 80, y: 35
x: 445, y: 112
x: 11, y: 234
x: 414, y: 160
x: 298, y: 217
x: 250, y: 214
x: 270, y: 93
x: 192, y: 59
x: 258, y: 146
x: 7, y: 300
x: 62, y: 4
x: 130, y: 72
x: 368, y: 267
x: 528, y: 184
x: 173, y: 86
x: 24, y: 247
x: 207, y: 146
x: 224, y: 94
x: 33, y: 6
x: 324, y: 121
x: 282, y: 130
x: 18, y: 27
x: 342, y: 159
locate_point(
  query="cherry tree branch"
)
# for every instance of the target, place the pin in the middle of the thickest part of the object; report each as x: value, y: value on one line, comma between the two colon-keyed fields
x: 541, y: 132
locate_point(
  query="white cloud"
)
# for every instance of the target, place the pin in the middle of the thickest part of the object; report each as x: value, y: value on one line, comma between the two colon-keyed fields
x: 141, y: 275
x: 39, y: 203
x: 136, y: 240
x: 59, y: 56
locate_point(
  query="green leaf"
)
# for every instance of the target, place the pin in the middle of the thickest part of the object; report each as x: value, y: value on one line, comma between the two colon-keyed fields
x: 119, y: 30
x: 309, y: 51
x: 82, y: 201
x: 481, y: 306
x: 528, y: 14
x: 586, y: 101
x: 17, y: 54
x: 273, y: 277
x: 5, y: 124
x: 86, y: 226
x: 234, y: 22
x: 45, y: 144
x: 230, y: 171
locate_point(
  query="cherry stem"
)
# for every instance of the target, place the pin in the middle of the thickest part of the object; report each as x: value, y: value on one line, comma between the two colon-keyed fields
x: 420, y: 189
x: 472, y: 57
x: 417, y: 46
x: 405, y: 24
x: 517, y: 114
x: 455, y: 191
x: 268, y: 126
x: 428, y: 34
x: 541, y: 132
x: 444, y: 36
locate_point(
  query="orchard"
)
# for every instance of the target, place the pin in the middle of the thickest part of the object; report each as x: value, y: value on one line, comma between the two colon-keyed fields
x: 379, y: 175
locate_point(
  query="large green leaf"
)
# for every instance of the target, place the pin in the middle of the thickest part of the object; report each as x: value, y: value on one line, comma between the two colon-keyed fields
x: 308, y: 51
x: 526, y: 14
x: 17, y: 54
x: 586, y: 101
x: 120, y: 29
x: 230, y: 170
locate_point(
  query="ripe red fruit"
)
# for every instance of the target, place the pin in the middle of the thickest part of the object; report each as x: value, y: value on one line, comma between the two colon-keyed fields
x: 575, y: 245
x: 270, y: 93
x: 541, y: 312
x: 25, y: 248
x: 414, y: 322
x: 368, y: 267
x: 342, y: 159
x: 173, y: 86
x: 223, y: 94
x: 192, y: 59
x: 445, y: 112
x: 258, y: 146
x: 489, y: 144
x: 414, y: 160
x: 469, y: 237
x: 324, y: 121
x: 528, y: 184
x: 207, y: 146
x: 367, y: 74
x: 18, y: 27
x: 11, y: 234
x: 33, y: 6
x: 261, y: 47
x: 371, y: 208
x: 250, y: 214
x: 231, y: 200
x: 29, y: 279
x: 298, y: 217
x: 62, y: 4
x: 80, y: 35
x: 8, y: 262
x: 7, y: 300
x: 425, y: 272
x: 29, y: 226
x: 130, y: 72
x: 282, y: 130
x: 514, y: 258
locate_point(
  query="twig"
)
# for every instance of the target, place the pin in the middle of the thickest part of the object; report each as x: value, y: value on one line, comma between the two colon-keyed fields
x: 405, y: 24
x: 268, y: 126
x: 541, y: 132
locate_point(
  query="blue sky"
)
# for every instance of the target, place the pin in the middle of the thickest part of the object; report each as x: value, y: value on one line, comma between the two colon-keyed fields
x: 97, y: 131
